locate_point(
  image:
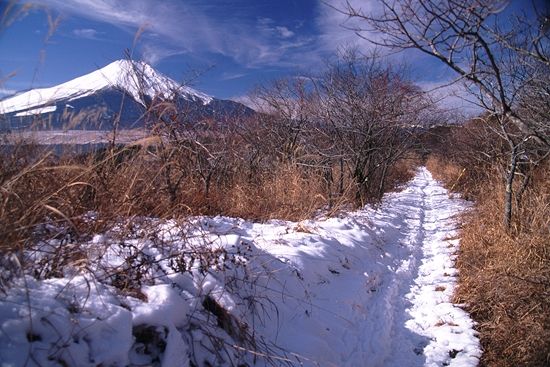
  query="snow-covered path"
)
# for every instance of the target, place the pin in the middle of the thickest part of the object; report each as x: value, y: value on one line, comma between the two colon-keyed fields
x: 415, y: 322
x: 369, y: 288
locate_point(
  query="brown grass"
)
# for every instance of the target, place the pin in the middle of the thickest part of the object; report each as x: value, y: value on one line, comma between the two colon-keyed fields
x: 402, y: 171
x: 505, y: 275
x: 288, y: 193
x: 38, y: 187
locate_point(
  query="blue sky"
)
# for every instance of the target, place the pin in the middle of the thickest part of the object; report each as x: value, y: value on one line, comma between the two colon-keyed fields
x: 232, y: 45
x: 221, y: 47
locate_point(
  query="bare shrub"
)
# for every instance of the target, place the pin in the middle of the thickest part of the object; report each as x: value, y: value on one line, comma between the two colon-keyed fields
x: 371, y: 113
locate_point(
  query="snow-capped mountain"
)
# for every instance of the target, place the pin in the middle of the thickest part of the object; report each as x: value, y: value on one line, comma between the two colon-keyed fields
x: 123, y: 88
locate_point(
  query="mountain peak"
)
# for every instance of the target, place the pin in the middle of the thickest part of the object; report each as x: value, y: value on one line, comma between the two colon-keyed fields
x: 136, y: 78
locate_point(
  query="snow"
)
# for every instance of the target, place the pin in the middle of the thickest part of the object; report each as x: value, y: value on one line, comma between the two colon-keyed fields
x: 136, y: 78
x: 372, y: 287
x: 37, y: 111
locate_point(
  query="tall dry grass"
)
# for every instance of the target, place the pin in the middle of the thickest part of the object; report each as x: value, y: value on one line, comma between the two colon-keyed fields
x: 38, y: 187
x: 504, y: 275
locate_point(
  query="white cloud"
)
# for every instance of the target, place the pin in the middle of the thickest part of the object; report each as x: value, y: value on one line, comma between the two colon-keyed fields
x: 250, y: 101
x: 284, y: 32
x: 88, y: 33
x: 232, y: 76
x: 172, y: 21
x: 197, y: 27
x: 246, y: 100
x: 152, y: 52
x: 174, y: 27
x: 337, y: 29
x: 452, y: 96
x: 7, y: 92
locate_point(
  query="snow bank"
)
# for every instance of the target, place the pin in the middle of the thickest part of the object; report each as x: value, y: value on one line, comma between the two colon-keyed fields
x: 372, y: 287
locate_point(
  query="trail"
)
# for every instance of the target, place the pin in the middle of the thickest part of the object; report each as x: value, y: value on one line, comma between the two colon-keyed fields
x: 412, y: 321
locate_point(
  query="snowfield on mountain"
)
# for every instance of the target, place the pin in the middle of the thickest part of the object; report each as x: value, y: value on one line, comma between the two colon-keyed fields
x: 367, y: 288
x: 133, y: 77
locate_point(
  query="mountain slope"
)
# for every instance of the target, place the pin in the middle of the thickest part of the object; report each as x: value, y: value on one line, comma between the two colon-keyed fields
x: 123, y: 88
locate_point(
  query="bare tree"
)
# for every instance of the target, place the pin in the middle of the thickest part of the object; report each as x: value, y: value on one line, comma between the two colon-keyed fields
x: 372, y: 111
x: 500, y: 62
x: 287, y: 106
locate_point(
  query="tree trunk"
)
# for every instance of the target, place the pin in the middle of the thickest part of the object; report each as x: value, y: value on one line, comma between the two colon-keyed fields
x: 329, y: 180
x: 361, y: 182
x: 341, y: 180
x: 382, y: 181
x: 509, y: 189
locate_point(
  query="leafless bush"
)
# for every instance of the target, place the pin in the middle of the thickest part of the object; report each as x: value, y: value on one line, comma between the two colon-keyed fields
x: 371, y: 112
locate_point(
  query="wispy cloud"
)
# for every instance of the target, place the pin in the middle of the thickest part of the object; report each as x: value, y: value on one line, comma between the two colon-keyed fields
x: 268, y: 27
x: 6, y: 92
x: 249, y: 100
x: 284, y: 32
x: 339, y: 30
x: 176, y: 27
x: 87, y: 33
x: 153, y: 52
x: 452, y: 96
x: 232, y: 76
x: 198, y: 27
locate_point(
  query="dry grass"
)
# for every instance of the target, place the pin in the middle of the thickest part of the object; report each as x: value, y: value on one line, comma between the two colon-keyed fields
x: 402, y: 171
x: 165, y: 181
x: 465, y: 179
x: 288, y: 193
x: 34, y: 190
x: 505, y: 275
